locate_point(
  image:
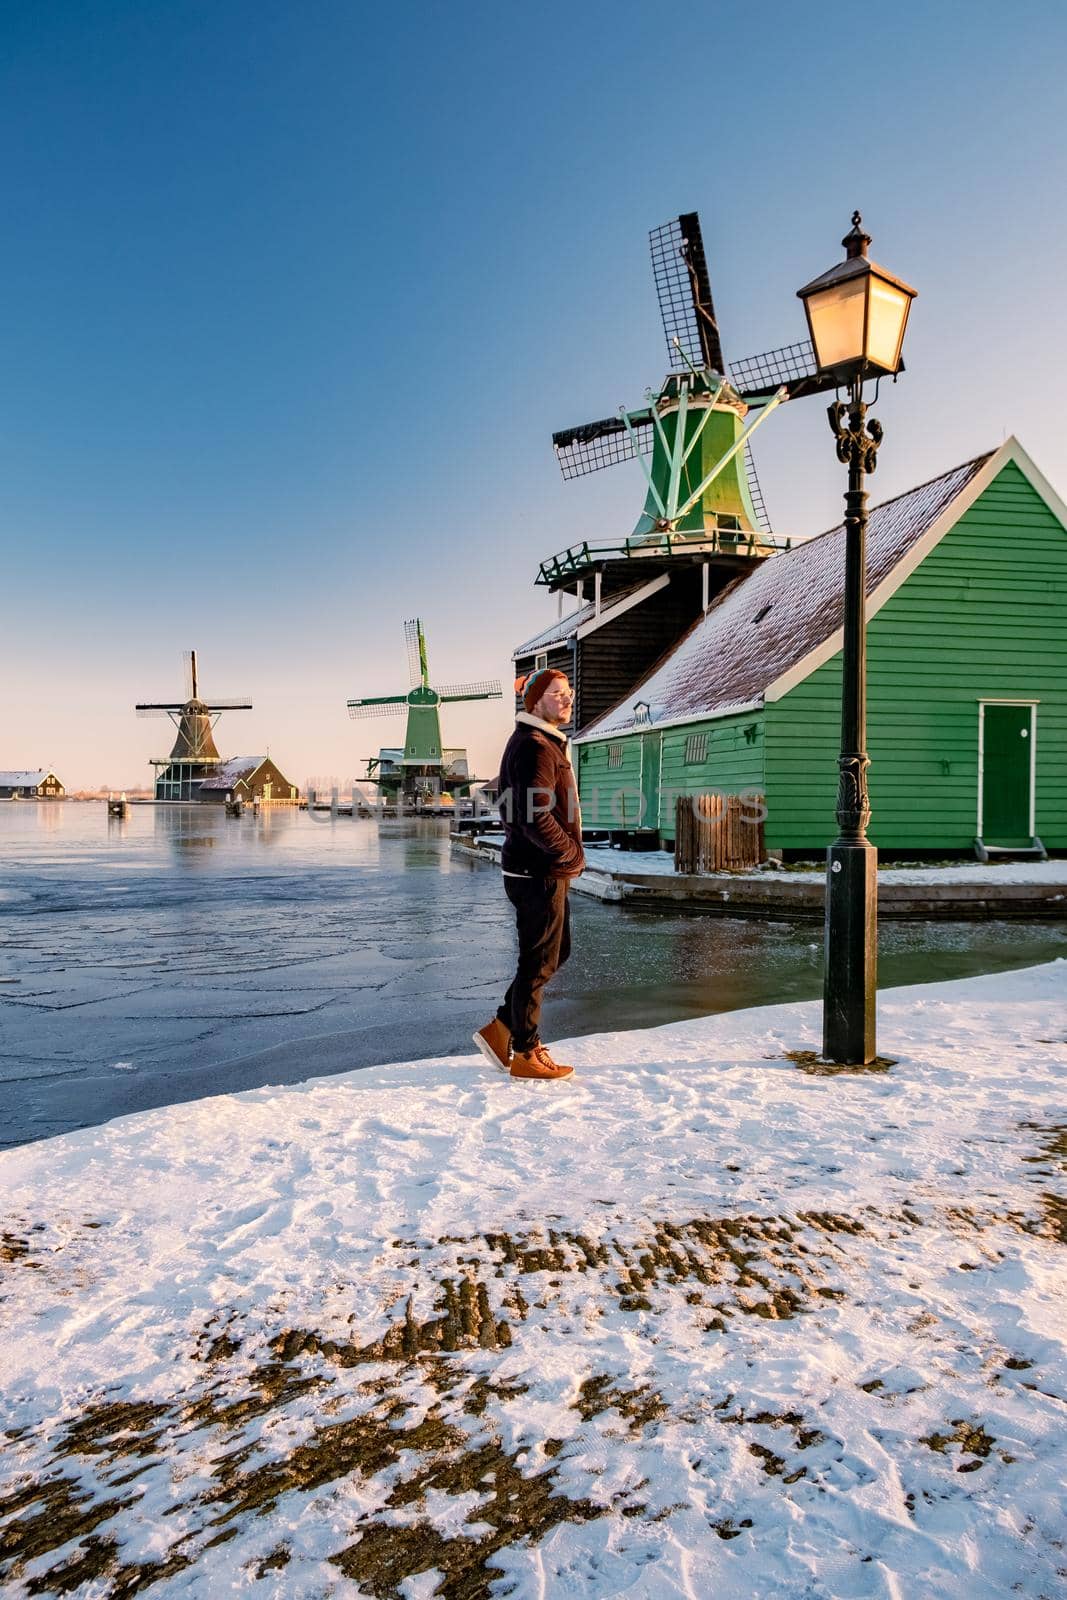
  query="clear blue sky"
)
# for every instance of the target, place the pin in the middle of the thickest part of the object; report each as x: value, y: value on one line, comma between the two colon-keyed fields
x: 292, y: 297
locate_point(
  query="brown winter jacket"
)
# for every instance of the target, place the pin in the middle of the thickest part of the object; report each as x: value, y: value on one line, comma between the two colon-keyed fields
x: 539, y: 803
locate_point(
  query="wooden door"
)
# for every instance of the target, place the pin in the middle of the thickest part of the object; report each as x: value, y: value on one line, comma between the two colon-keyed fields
x: 651, y: 747
x: 1007, y: 774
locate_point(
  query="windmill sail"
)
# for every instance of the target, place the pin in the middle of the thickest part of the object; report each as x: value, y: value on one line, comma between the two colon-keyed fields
x: 416, y: 651
x: 480, y: 689
x: 755, y: 489
x: 163, y: 708
x: 388, y: 707
x: 586, y: 449
x: 683, y: 288
x: 756, y: 377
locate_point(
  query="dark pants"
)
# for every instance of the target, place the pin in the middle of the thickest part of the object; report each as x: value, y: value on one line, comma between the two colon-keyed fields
x: 543, y: 916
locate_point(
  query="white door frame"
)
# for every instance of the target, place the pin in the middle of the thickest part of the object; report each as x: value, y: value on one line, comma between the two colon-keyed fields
x: 1033, y: 704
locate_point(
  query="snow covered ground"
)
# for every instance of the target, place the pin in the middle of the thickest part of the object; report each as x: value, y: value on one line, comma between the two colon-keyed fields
x: 699, y: 1321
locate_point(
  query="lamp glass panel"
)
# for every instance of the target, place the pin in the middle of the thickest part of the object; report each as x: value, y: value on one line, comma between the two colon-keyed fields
x: 836, y: 316
x: 885, y: 327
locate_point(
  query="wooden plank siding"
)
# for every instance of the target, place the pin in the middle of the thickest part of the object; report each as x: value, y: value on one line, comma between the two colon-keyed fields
x: 612, y: 660
x: 983, y: 617
x: 610, y: 794
x: 733, y: 764
x: 606, y: 665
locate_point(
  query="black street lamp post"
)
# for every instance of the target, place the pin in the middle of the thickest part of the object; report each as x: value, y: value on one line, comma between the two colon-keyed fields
x: 857, y: 313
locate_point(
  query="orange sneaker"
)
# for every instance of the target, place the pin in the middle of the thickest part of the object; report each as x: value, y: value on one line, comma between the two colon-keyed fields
x: 494, y: 1041
x: 537, y: 1063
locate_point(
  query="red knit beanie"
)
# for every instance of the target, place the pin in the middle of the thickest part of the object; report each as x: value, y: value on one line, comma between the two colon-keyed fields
x: 533, y: 686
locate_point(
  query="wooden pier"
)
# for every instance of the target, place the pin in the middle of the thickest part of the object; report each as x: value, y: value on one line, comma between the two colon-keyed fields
x: 770, y: 895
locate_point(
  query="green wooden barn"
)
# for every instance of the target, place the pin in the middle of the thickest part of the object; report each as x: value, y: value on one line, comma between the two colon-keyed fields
x: 967, y: 682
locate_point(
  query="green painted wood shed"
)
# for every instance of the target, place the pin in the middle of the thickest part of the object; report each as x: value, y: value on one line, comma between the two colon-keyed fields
x: 967, y: 682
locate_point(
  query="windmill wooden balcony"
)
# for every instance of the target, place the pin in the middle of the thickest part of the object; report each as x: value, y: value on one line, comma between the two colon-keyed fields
x: 647, y: 555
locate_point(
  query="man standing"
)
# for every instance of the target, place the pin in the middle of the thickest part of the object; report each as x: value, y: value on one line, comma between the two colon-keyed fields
x: 542, y: 853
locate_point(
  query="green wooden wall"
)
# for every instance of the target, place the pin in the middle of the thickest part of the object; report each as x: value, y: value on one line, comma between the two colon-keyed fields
x: 609, y: 794
x: 733, y: 764
x: 983, y: 617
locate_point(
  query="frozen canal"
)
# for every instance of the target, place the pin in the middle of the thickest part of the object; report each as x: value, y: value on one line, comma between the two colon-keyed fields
x: 181, y: 954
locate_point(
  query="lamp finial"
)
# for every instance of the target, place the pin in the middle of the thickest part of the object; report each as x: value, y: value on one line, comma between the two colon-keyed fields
x: 856, y: 242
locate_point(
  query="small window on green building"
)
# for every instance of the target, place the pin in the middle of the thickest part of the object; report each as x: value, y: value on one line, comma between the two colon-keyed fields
x: 696, y: 749
x: 614, y: 755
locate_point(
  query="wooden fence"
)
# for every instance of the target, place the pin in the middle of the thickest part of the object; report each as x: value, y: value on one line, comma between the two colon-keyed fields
x: 717, y: 831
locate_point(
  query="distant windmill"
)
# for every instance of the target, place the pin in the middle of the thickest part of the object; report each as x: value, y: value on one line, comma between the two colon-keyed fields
x: 194, y: 757
x: 424, y: 768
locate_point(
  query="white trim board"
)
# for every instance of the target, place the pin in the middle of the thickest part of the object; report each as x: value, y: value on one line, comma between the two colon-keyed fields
x: 609, y: 612
x: 1010, y: 452
x: 592, y: 737
x: 572, y: 628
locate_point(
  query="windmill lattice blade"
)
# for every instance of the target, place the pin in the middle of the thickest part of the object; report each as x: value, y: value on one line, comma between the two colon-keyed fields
x: 150, y: 710
x: 377, y: 708
x: 189, y: 664
x: 411, y: 639
x: 683, y: 288
x: 240, y: 702
x: 482, y: 689
x: 755, y: 489
x: 580, y: 451
x: 760, y: 377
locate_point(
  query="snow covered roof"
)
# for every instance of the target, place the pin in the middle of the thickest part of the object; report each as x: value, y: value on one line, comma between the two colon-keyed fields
x: 558, y: 633
x: 566, y: 628
x: 768, y: 623
x: 24, y: 780
x: 227, y: 773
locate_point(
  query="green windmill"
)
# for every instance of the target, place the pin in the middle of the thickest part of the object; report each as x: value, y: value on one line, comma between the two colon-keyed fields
x: 425, y: 770
x: 702, y: 522
x: 692, y: 436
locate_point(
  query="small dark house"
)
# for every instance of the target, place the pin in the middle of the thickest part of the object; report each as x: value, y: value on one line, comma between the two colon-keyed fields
x: 38, y: 785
